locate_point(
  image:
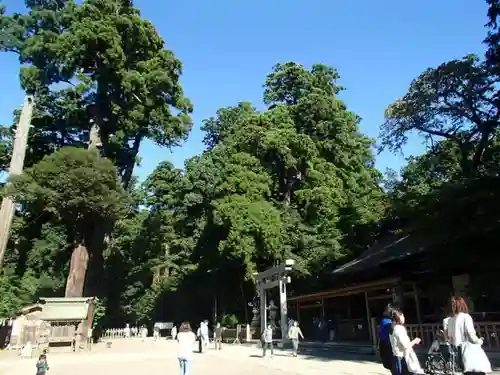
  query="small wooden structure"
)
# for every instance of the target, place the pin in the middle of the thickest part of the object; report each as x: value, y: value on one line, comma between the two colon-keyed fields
x: 58, y: 322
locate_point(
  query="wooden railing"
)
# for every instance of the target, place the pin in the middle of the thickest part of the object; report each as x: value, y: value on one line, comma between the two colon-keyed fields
x: 241, y: 333
x: 113, y: 333
x: 489, y: 331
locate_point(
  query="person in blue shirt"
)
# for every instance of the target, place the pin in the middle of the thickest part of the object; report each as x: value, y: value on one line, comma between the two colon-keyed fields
x: 384, y: 344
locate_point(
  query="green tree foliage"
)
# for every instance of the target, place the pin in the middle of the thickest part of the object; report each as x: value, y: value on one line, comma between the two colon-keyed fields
x: 456, y: 102
x: 97, y: 63
x: 94, y: 65
x: 295, y: 181
x: 76, y: 188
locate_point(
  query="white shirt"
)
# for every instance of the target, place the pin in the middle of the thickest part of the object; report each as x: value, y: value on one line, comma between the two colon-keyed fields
x: 445, y: 324
x: 294, y: 332
x: 399, y: 341
x: 204, y: 330
x: 185, y: 345
x: 461, y: 329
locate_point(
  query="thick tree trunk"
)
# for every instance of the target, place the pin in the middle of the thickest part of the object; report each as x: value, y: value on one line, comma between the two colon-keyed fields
x: 127, y: 175
x: 77, y: 271
x: 93, y: 280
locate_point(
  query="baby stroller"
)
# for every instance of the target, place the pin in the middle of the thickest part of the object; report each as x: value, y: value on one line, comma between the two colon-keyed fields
x: 442, y: 358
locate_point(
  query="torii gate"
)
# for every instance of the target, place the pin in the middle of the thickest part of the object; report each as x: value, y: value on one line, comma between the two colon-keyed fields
x: 275, y: 278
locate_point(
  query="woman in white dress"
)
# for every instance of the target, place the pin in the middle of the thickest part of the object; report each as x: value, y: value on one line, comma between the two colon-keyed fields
x: 462, y: 334
x: 405, y: 361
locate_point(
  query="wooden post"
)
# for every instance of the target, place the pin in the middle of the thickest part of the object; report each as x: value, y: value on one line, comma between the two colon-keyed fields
x: 8, y: 207
x: 417, y: 303
x: 322, y: 307
x: 263, y: 306
x: 368, y: 315
x: 373, y: 329
x: 283, y: 308
x: 417, y: 306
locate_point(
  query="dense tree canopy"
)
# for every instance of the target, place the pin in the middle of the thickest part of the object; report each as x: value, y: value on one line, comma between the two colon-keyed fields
x: 97, y: 62
x: 294, y: 180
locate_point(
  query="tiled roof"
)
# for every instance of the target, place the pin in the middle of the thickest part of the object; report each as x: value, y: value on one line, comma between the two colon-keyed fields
x: 398, y: 246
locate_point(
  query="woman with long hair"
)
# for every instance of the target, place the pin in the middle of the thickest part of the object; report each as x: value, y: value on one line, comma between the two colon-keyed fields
x: 405, y: 361
x: 185, y: 342
x: 462, y: 334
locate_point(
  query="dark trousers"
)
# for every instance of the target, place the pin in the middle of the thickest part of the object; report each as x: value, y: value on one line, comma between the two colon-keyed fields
x: 385, y: 352
x: 265, y: 346
x: 400, y: 367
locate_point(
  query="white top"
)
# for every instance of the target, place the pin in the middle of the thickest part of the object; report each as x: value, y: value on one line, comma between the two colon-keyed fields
x: 185, y: 345
x: 445, y: 324
x: 204, y: 330
x: 400, y: 341
x: 461, y: 329
x: 294, y: 332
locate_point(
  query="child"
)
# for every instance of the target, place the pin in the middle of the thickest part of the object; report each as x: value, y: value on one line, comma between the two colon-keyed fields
x: 42, y: 366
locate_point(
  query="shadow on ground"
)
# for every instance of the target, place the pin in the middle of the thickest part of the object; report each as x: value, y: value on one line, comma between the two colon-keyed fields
x: 329, y: 354
x: 333, y: 355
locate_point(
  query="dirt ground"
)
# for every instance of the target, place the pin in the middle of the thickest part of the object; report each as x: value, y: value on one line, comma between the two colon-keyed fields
x: 134, y: 357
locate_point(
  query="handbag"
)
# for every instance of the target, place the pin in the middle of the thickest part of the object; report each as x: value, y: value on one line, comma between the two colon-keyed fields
x: 412, y: 362
x: 473, y: 356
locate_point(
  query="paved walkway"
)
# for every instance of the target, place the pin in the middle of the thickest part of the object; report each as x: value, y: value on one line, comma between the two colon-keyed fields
x: 133, y: 357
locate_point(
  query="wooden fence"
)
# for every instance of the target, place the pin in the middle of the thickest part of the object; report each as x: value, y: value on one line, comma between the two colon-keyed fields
x: 489, y: 331
x: 242, y: 333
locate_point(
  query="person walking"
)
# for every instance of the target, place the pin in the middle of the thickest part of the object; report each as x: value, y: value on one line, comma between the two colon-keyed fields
x: 294, y: 333
x: 384, y: 344
x: 185, y: 343
x: 462, y: 334
x: 405, y: 361
x: 126, y: 331
x: 202, y: 335
x: 218, y: 337
x: 173, y: 332
x: 144, y: 333
x: 205, y: 334
x: 267, y: 341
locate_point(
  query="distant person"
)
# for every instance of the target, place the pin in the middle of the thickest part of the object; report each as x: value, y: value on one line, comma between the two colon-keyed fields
x: 156, y: 333
x: 42, y: 366
x: 384, y: 344
x: 144, y: 333
x: 294, y: 333
x: 185, y: 342
x: 202, y: 334
x: 218, y: 336
x: 126, y: 331
x: 267, y: 341
x: 173, y: 332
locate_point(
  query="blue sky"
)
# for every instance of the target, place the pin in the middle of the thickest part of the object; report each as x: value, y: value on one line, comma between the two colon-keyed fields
x: 228, y: 47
